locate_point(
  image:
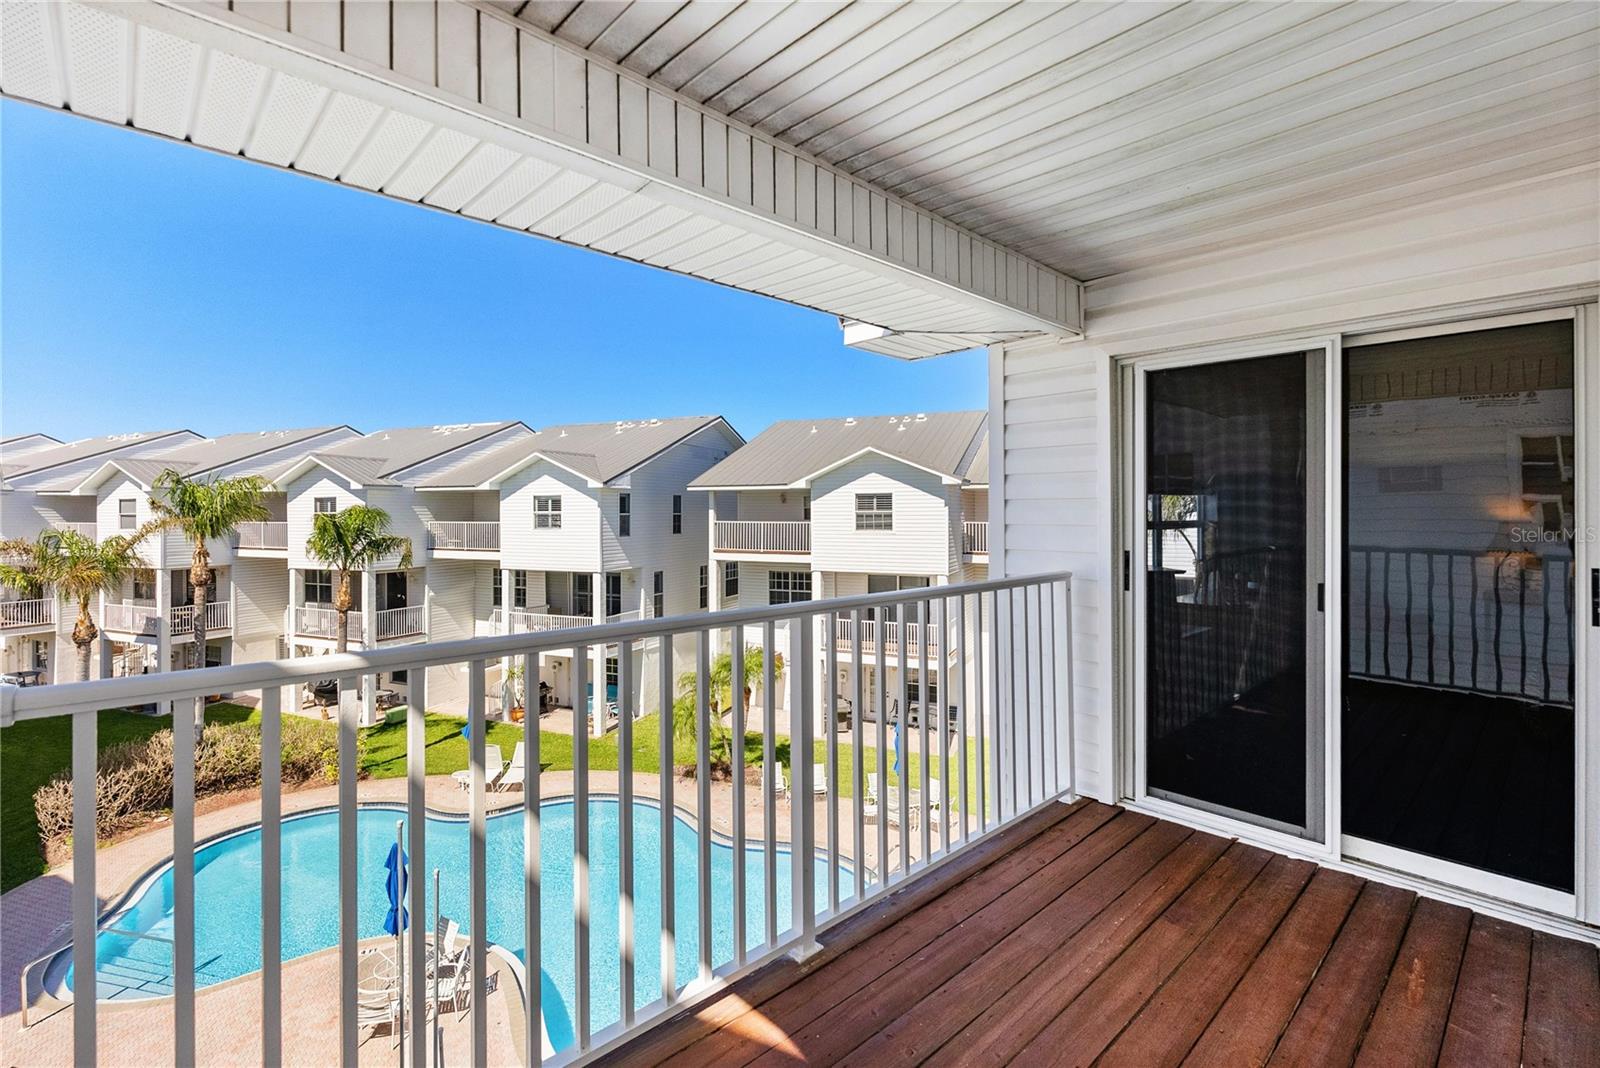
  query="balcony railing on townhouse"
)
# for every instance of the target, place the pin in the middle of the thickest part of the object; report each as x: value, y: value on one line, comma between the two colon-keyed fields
x: 540, y: 618
x: 762, y: 536
x: 1007, y: 677
x: 464, y: 537
x: 88, y: 530
x: 219, y: 617
x: 264, y: 536
x: 889, y: 632
x: 35, y: 612
x: 317, y: 621
x: 125, y: 618
x: 974, y: 537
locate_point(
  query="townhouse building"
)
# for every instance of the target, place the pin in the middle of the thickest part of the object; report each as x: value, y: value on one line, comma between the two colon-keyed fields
x: 818, y: 508
x: 148, y: 624
x: 38, y: 482
x: 573, y: 525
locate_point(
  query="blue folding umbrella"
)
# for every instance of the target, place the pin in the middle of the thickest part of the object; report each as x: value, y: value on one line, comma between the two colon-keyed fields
x: 396, y: 920
x: 896, y: 766
x: 466, y: 732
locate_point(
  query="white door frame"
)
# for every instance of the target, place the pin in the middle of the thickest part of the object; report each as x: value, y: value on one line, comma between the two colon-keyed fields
x: 1499, y: 893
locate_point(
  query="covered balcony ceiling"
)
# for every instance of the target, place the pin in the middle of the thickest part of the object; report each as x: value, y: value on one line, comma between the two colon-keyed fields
x: 937, y: 175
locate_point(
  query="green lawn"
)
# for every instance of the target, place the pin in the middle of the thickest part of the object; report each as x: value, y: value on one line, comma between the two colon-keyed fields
x: 33, y: 752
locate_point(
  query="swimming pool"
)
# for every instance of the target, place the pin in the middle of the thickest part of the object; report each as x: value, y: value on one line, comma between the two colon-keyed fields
x: 134, y: 952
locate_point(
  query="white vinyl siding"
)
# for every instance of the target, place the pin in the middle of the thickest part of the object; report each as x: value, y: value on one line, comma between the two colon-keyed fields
x: 574, y: 546
x: 547, y: 513
x: 301, y: 502
x: 260, y: 595
x: 920, y: 541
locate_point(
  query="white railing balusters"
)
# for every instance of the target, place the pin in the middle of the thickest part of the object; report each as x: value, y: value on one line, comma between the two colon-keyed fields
x: 34, y: 612
x: 830, y: 722
x: 268, y: 535
x: 625, y: 909
x: 1015, y: 705
x: 736, y: 675
x: 769, y: 774
x: 348, y: 715
x: 668, y: 887
x: 762, y: 535
x: 271, y: 877
x: 924, y: 689
x: 417, y: 838
x: 587, y: 706
x: 184, y: 743
x: 477, y: 537
x: 533, y: 1012
x: 858, y: 762
x: 85, y: 903
x: 702, y: 781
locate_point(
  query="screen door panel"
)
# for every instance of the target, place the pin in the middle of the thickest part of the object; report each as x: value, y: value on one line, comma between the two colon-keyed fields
x: 1232, y: 486
x: 1460, y: 601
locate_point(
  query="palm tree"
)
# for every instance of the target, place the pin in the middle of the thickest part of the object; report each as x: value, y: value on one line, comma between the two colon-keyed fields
x: 685, y: 720
x: 204, y: 510
x: 78, y: 567
x: 350, y: 541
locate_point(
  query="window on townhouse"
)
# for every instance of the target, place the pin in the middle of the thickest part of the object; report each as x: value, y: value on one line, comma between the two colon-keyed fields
x: 319, y: 587
x: 914, y: 689
x: 805, y: 507
x: 128, y: 514
x: 874, y: 511
x: 624, y: 515
x: 677, y: 513
x: 611, y: 677
x: 658, y: 600
x: 324, y: 505
x: 705, y: 586
x: 547, y: 513
x: 497, y: 593
x: 730, y: 579
x: 785, y: 587
x: 582, y: 595
x: 144, y: 585
x: 519, y: 589
x: 890, y: 584
x: 613, y: 594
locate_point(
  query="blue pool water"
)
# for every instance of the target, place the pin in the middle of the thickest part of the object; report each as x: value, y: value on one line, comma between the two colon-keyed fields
x: 228, y: 902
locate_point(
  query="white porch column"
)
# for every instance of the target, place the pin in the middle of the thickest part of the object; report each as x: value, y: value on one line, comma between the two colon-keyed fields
x: 597, y: 654
x: 713, y: 565
x: 369, y: 640
x: 164, y: 628
x: 505, y: 600
x: 819, y: 654
x: 505, y: 628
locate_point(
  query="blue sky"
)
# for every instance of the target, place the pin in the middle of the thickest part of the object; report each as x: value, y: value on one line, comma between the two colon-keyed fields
x: 129, y: 265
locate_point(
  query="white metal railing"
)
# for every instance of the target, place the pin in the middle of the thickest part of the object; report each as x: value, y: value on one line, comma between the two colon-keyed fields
x: 974, y: 536
x: 466, y: 537
x: 400, y: 622
x: 131, y: 618
x: 35, y: 612
x: 218, y: 617
x: 762, y: 536
x: 263, y: 535
x: 319, y: 621
x: 1006, y: 680
x: 88, y: 530
x: 889, y: 632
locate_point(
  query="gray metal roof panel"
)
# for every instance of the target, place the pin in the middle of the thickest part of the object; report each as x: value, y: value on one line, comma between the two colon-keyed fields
x: 392, y: 451
x: 792, y: 451
x: 598, y: 451
x: 37, y: 464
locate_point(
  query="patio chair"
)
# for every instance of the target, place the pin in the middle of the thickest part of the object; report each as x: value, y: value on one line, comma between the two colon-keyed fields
x: 819, y: 779
x: 449, y: 947
x: 516, y: 772
x: 780, y: 789
x: 935, y: 803
x: 455, y: 988
x: 494, y: 766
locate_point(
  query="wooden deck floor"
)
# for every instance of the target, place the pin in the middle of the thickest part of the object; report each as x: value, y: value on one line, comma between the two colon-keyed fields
x: 1093, y: 935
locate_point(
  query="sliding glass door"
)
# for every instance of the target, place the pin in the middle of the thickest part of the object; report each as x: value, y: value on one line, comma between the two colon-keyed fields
x: 1459, y: 599
x: 1228, y: 627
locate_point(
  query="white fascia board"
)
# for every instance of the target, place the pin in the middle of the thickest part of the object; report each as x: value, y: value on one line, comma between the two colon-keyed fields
x: 305, y: 464
x: 298, y: 55
x: 97, y: 478
x: 805, y: 482
x: 532, y: 458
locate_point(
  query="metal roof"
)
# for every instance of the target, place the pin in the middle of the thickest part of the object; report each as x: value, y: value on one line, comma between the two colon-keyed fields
x: 792, y: 452
x: 378, y: 458
x: 599, y: 452
x: 36, y: 465
x: 210, y: 454
x: 978, y: 469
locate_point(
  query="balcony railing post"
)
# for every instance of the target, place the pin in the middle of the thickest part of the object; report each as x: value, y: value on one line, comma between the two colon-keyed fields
x: 625, y: 916
x: 1064, y: 657
x: 769, y: 773
x: 830, y: 727
x: 531, y: 870
x: 802, y: 800
x: 736, y: 675
x: 668, y: 887
x: 417, y: 837
x: 183, y: 979
x: 85, y: 903
x: 477, y: 859
x: 349, y: 933
x: 271, y: 877
x: 702, y: 776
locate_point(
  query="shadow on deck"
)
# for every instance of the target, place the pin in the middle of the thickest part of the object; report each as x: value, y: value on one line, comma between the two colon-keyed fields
x: 1091, y: 934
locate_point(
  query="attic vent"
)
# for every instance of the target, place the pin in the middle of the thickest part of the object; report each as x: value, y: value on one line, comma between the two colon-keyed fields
x: 922, y: 417
x: 813, y: 428
x: 563, y: 433
x: 124, y: 437
x: 655, y: 422
x: 452, y: 428
x: 901, y: 428
x: 850, y: 421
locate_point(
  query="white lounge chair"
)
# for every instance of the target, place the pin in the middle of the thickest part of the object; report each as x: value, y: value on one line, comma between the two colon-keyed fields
x: 494, y: 766
x: 516, y: 772
x: 935, y: 803
x: 819, y: 779
x: 779, y: 788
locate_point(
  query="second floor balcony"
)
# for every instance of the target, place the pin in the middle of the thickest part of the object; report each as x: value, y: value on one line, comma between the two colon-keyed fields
x: 762, y: 536
x: 88, y: 530
x: 390, y: 624
x: 464, y: 538
x: 975, y: 539
x: 142, y: 620
x: 540, y: 618
x: 37, y: 612
x: 264, y: 537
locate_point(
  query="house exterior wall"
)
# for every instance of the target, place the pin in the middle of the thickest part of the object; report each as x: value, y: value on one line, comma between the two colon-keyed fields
x: 301, y: 497
x: 573, y: 547
x: 769, y: 505
x: 452, y: 589
x: 919, y: 544
x: 261, y: 594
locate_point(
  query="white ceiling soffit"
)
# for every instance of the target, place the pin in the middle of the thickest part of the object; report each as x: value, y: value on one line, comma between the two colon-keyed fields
x: 460, y: 107
x: 1102, y: 138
